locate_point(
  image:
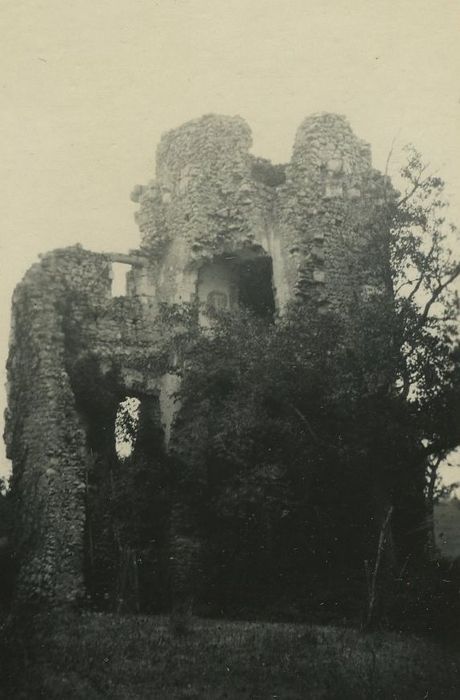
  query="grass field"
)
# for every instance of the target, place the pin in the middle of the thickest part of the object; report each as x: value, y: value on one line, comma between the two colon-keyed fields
x: 125, y: 658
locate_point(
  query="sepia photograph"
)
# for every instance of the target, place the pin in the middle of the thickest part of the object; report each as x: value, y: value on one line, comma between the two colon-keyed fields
x: 230, y: 350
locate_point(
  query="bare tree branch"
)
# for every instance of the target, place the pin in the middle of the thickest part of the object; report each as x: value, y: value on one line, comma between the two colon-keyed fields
x: 422, y: 275
x: 436, y: 294
x: 417, y: 184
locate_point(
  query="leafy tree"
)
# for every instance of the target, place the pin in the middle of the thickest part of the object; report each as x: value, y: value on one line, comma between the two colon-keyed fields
x: 295, y: 442
x: 424, y: 271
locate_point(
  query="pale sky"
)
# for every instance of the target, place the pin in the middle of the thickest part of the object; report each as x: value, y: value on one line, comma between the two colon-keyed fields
x: 89, y: 86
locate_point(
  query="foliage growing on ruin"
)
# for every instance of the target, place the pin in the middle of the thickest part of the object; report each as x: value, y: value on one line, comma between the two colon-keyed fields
x: 267, y: 173
x: 267, y: 452
x: 424, y: 269
x: 293, y: 439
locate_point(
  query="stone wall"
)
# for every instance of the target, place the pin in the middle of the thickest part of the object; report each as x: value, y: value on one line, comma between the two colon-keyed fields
x: 325, y: 211
x: 211, y: 198
x: 62, y: 314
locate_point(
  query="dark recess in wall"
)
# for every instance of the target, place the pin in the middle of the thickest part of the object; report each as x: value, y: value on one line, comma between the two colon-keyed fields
x: 256, y: 288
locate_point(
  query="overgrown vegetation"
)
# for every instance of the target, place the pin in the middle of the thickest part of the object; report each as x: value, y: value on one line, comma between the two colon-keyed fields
x: 127, y: 499
x: 302, y: 448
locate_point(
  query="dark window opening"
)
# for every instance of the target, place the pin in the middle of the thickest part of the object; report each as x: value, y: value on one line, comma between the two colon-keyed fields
x: 256, y: 288
x: 241, y: 280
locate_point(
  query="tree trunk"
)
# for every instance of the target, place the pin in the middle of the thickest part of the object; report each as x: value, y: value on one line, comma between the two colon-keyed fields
x: 384, y: 539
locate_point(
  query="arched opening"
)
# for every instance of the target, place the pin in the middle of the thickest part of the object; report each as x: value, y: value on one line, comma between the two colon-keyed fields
x: 238, y: 280
x: 127, y: 493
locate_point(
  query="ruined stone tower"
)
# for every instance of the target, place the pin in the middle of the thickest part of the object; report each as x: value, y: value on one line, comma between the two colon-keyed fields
x: 219, y: 226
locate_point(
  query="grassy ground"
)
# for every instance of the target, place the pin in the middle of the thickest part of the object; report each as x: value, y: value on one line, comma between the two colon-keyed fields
x: 125, y: 658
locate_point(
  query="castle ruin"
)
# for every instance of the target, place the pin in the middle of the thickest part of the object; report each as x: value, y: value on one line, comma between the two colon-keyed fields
x: 218, y: 226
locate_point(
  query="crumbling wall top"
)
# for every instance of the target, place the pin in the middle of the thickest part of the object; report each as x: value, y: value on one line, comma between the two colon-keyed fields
x: 326, y: 140
x: 202, y: 142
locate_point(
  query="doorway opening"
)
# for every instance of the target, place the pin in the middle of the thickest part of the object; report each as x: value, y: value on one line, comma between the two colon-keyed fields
x: 238, y: 280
